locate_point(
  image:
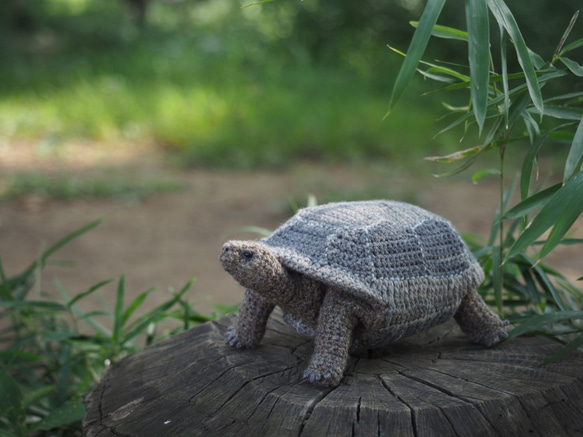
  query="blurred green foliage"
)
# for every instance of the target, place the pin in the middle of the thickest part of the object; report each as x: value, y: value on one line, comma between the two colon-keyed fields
x: 218, y: 84
x: 54, y: 350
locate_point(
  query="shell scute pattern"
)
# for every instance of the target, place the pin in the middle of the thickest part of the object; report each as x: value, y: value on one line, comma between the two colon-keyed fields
x: 367, y: 247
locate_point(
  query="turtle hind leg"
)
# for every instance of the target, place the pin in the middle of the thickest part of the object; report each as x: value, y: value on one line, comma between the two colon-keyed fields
x: 478, y: 322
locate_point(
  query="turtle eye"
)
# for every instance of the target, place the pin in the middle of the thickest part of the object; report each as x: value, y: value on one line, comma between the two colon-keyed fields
x: 248, y: 254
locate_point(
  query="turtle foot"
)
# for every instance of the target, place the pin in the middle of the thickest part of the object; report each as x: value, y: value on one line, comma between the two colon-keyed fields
x: 324, y: 372
x: 492, y: 335
x: 233, y: 339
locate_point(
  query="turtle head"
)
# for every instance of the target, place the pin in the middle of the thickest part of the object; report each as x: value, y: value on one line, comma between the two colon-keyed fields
x: 251, y: 263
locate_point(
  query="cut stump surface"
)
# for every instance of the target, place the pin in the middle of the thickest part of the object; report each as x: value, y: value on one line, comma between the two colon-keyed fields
x: 434, y: 384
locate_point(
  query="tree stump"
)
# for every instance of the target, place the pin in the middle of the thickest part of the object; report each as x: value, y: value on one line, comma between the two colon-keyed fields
x: 433, y: 384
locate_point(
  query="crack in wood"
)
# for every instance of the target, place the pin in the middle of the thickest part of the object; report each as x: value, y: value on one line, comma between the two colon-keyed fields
x: 268, y: 415
x: 414, y: 391
x: 249, y: 381
x: 378, y: 424
x: 471, y: 402
x: 212, y: 381
x: 310, y: 409
x: 412, y: 413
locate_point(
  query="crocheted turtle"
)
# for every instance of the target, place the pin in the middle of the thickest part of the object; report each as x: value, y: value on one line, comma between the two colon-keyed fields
x: 356, y: 276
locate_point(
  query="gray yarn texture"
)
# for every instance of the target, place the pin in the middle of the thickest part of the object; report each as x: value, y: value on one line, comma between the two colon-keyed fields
x: 390, y: 252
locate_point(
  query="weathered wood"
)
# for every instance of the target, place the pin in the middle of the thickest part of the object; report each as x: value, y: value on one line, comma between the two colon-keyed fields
x: 434, y: 384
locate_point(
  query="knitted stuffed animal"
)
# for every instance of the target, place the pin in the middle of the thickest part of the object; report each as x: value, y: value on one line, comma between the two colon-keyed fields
x: 355, y: 276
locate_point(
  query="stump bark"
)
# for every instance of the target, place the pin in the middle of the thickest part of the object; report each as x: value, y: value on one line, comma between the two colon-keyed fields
x: 434, y: 384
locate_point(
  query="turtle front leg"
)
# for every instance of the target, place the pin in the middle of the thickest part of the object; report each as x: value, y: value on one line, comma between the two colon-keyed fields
x: 336, y: 323
x: 249, y: 327
x: 478, y: 322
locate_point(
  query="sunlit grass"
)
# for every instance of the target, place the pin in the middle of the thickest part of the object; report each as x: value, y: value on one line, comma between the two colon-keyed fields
x: 214, y: 96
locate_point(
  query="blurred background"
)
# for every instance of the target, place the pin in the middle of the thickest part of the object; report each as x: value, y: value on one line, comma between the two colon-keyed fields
x: 182, y: 121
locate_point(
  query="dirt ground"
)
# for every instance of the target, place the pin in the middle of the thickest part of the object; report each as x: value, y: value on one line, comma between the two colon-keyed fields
x: 167, y: 239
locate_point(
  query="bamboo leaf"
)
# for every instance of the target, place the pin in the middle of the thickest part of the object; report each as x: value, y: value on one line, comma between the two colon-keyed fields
x: 538, y: 323
x: 527, y: 165
x: 416, y: 50
x: 566, y: 33
x: 479, y: 57
x: 248, y: 5
x: 506, y: 19
x: 568, y: 96
x: 563, y: 113
x: 563, y: 207
x: 573, y: 66
x: 504, y: 66
x: 531, y: 203
x: 572, y: 46
x: 456, y: 156
x: 447, y: 71
x: 575, y: 153
x: 572, y: 346
x: 484, y: 173
x: 445, y: 32
x: 561, y: 227
x: 497, y: 272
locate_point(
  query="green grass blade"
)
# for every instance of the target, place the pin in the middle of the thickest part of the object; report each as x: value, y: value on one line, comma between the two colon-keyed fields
x: 62, y: 242
x: 10, y: 397
x: 38, y: 394
x: 506, y: 19
x: 36, y: 304
x: 416, y: 50
x: 118, y: 312
x: 71, y: 411
x: 137, y: 302
x: 155, y: 315
x: 3, y: 276
x: 479, y: 57
x: 81, y: 315
x: 565, y: 205
x: 575, y: 153
x: 88, y: 292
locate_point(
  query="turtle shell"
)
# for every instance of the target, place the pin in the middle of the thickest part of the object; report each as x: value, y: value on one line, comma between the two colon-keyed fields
x: 377, y: 248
